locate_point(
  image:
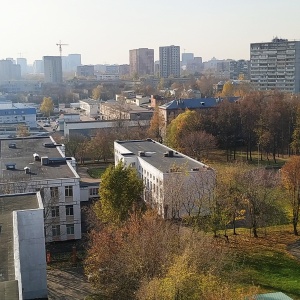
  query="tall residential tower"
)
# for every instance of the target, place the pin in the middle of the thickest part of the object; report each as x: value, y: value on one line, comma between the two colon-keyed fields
x: 52, y: 69
x: 141, y: 61
x: 169, y: 61
x: 276, y: 65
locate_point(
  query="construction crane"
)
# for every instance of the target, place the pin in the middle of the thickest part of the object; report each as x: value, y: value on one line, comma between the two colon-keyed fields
x: 60, y: 48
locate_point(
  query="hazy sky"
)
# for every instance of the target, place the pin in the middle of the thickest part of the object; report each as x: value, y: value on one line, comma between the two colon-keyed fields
x: 104, y: 31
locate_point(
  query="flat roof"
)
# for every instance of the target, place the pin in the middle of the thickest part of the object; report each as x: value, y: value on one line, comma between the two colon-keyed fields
x: 154, y: 155
x: 22, y: 156
x: 128, y: 107
x: 8, y: 204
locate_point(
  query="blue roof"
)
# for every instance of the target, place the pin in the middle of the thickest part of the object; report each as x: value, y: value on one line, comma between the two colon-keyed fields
x: 195, y: 103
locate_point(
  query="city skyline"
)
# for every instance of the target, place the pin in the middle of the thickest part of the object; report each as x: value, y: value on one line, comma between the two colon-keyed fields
x: 104, y: 31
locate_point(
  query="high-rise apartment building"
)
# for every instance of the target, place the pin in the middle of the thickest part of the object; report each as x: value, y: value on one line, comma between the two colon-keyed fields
x: 141, y: 61
x: 52, y: 69
x: 23, y: 63
x: 38, y: 67
x: 187, y: 58
x: 9, y: 70
x: 239, y: 69
x: 276, y: 65
x: 169, y: 61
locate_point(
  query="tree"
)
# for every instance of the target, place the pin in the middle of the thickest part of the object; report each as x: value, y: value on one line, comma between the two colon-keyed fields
x: 120, y: 194
x: 179, y: 127
x: 22, y: 130
x: 47, y: 106
x: 291, y: 181
x: 119, y: 259
x: 157, y: 125
x: 96, y: 93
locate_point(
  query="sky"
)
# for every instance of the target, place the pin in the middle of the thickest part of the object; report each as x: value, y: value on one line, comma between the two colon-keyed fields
x: 103, y: 31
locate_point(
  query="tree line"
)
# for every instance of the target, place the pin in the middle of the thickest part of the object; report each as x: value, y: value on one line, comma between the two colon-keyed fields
x: 265, y: 121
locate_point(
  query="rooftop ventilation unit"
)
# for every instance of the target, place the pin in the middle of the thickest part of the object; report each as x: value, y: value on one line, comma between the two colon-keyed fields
x: 166, y: 154
x: 27, y: 170
x: 202, y: 103
x: 51, y: 145
x: 10, y: 166
x: 36, y: 157
x: 44, y: 160
x: 195, y: 169
x: 171, y: 153
x: 12, y: 145
x: 142, y: 153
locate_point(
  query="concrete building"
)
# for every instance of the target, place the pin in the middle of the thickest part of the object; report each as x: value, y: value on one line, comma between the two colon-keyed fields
x: 53, y: 69
x: 115, y: 110
x: 22, y: 248
x: 172, y: 109
x: 175, y: 184
x: 187, y: 58
x: 169, y: 61
x: 38, y: 67
x: 17, y: 113
x: 39, y: 164
x: 141, y: 61
x: 20, y: 86
x: 23, y: 64
x: 85, y: 71
x: 124, y: 69
x: 276, y: 65
x: 9, y: 70
x: 112, y: 69
x: 239, y: 69
x: 90, y: 107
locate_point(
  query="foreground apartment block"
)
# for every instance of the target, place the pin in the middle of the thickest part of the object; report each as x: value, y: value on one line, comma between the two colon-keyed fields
x: 22, y: 247
x: 175, y: 184
x: 39, y: 165
x: 276, y: 65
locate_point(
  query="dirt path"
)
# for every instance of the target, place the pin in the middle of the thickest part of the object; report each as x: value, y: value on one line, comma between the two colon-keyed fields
x: 68, y: 284
x: 294, y: 249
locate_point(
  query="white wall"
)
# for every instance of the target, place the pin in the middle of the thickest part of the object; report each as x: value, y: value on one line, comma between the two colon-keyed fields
x: 30, y: 253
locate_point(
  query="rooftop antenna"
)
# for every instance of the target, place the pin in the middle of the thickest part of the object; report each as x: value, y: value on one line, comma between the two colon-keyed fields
x: 60, y: 47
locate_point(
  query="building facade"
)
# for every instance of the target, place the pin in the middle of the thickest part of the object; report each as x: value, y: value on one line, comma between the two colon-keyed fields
x: 276, y: 65
x: 53, y: 69
x: 17, y: 113
x: 169, y: 61
x: 239, y: 69
x: 39, y: 164
x: 9, y: 70
x: 175, y: 184
x: 85, y: 71
x: 141, y: 61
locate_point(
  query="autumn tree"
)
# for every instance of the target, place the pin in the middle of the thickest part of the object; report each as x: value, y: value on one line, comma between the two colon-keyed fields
x: 180, y: 126
x: 120, y: 259
x: 260, y: 198
x: 157, y: 125
x: 47, y: 106
x: 76, y: 146
x: 96, y: 93
x: 22, y: 130
x: 120, y: 194
x: 291, y: 181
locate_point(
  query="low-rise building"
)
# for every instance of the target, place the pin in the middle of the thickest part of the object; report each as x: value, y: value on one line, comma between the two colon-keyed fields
x: 90, y: 107
x: 22, y: 247
x: 17, y: 113
x: 175, y: 184
x: 39, y: 164
x: 115, y: 110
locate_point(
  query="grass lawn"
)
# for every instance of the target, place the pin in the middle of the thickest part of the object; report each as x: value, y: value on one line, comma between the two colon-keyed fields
x: 265, y: 261
x: 96, y: 172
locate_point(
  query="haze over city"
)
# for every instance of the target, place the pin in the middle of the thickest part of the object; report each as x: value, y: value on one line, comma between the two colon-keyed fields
x: 103, y: 31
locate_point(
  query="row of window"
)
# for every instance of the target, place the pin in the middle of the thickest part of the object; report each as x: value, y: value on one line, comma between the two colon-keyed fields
x: 55, y: 211
x: 56, y: 229
x: 68, y: 191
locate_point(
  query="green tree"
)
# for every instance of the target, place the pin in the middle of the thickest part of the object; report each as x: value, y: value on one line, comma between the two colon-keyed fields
x: 120, y: 193
x: 47, y: 106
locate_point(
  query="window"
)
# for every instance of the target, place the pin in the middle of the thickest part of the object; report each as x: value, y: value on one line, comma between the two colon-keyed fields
x: 69, y: 210
x: 94, y: 191
x: 54, y: 192
x: 69, y: 191
x: 55, y: 211
x: 55, y: 230
x: 70, y: 228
